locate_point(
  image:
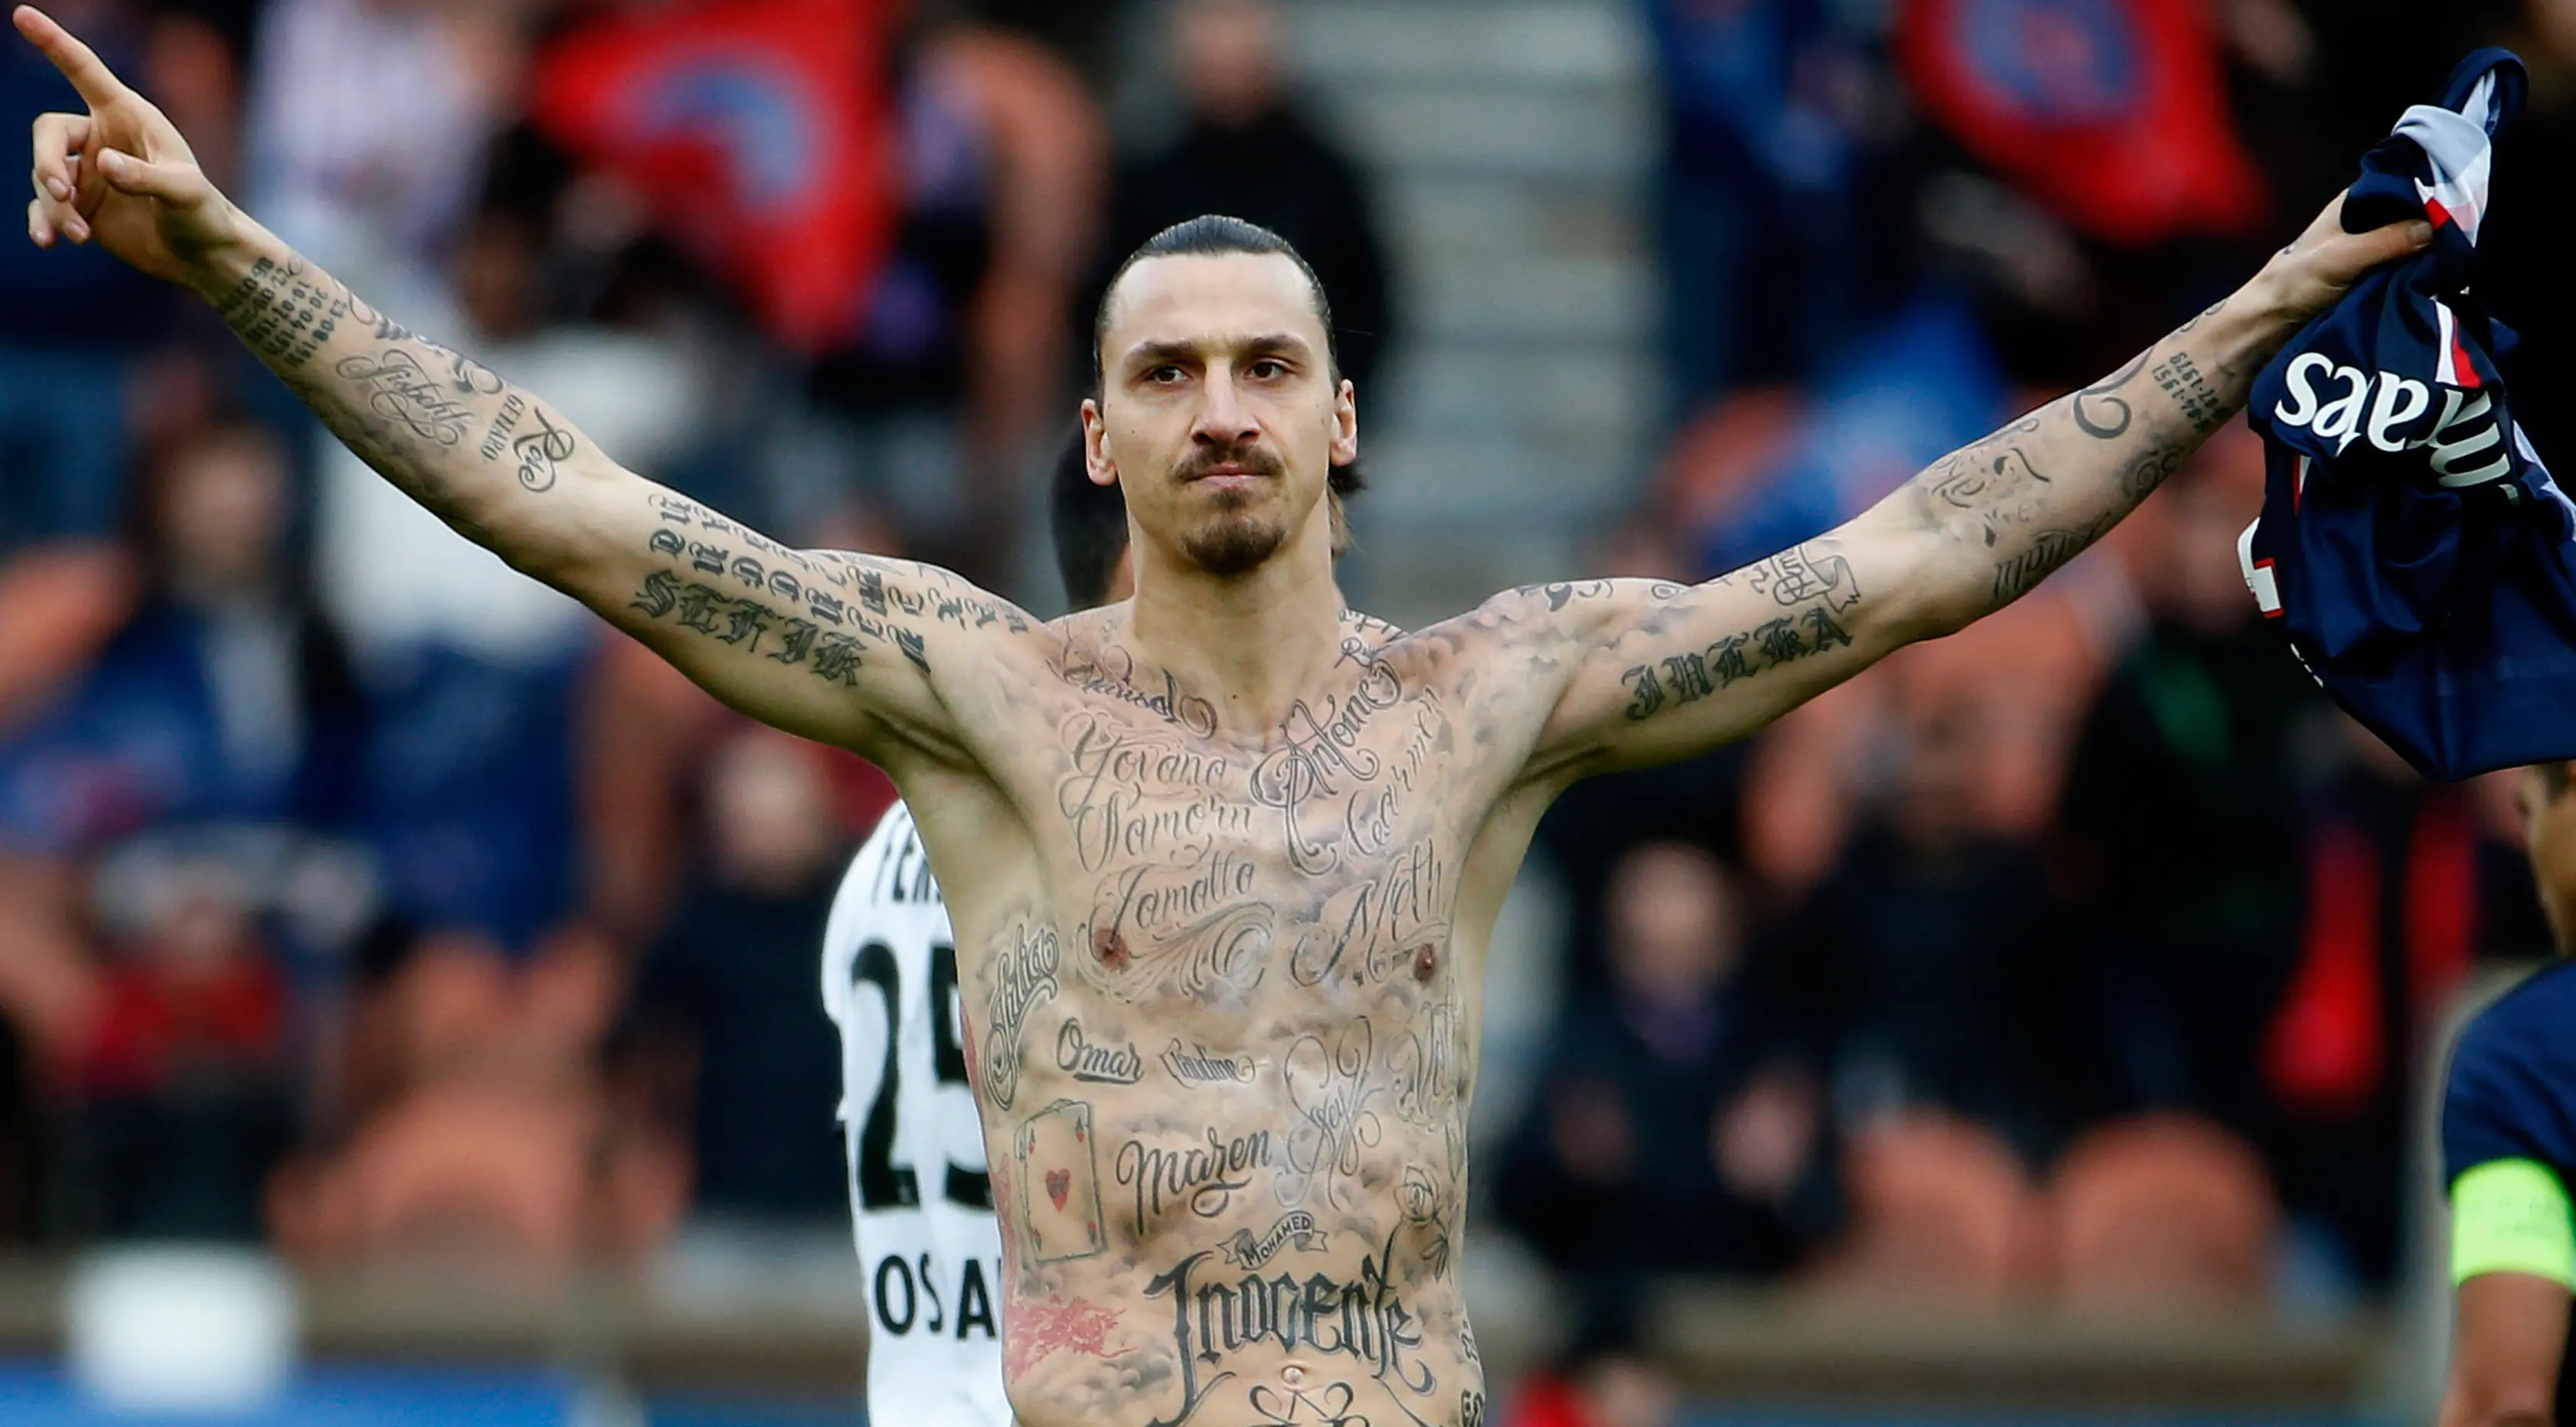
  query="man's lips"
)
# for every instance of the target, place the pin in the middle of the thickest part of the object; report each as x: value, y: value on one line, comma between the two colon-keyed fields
x: 1227, y: 476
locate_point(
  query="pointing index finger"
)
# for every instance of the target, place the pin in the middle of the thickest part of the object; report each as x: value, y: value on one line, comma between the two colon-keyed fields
x: 78, y: 62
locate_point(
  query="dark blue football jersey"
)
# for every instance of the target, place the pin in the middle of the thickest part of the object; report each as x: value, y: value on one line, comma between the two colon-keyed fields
x: 2412, y: 541
x: 2511, y: 1098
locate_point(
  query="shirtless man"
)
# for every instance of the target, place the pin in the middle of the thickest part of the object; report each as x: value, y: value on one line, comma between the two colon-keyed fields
x: 1222, y: 859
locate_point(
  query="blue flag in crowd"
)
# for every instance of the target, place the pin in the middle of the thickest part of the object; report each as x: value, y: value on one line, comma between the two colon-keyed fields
x: 2411, y: 541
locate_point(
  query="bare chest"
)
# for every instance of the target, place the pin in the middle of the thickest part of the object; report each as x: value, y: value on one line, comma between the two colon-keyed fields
x: 1193, y: 867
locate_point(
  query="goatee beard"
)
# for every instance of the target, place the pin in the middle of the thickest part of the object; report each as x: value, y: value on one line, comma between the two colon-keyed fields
x: 1233, y: 544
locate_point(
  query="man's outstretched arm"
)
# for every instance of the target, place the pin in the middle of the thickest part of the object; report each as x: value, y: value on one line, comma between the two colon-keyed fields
x: 1654, y: 672
x: 836, y: 647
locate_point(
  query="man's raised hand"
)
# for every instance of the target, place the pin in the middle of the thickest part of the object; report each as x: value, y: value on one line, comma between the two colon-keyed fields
x: 120, y: 175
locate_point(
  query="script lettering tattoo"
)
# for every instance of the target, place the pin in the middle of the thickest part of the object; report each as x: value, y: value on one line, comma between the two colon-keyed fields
x: 1023, y: 972
x: 400, y: 389
x: 1363, y: 1318
x: 497, y: 439
x: 1334, y: 1093
x: 1682, y: 679
x: 1205, y: 1179
x: 1319, y: 756
x: 1100, y: 1064
x: 541, y: 450
x: 1201, y: 1066
x: 742, y: 622
x: 1295, y: 1229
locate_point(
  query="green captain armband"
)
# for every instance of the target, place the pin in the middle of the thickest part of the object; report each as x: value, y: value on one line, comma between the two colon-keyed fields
x: 2512, y: 1216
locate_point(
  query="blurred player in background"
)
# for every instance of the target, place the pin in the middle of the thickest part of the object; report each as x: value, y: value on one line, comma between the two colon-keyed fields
x: 930, y: 1253
x: 2508, y: 1155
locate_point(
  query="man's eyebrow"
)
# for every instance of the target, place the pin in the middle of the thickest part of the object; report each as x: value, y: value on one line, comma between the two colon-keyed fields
x: 1156, y: 351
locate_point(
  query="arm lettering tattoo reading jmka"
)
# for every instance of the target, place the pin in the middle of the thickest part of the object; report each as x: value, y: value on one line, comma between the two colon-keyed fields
x: 1688, y: 677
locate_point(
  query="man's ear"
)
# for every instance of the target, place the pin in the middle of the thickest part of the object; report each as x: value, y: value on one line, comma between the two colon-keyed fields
x: 1097, y: 462
x: 1346, y: 424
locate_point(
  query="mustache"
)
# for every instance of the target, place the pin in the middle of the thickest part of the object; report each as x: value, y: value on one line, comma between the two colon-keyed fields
x: 1255, y: 460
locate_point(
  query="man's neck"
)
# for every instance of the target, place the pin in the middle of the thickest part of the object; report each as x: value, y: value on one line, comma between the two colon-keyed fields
x: 1253, y: 644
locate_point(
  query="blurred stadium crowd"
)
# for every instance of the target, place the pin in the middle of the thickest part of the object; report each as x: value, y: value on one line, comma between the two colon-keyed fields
x: 360, y: 897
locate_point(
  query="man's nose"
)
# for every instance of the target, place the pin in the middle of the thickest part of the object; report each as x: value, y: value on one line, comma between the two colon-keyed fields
x: 1224, y: 420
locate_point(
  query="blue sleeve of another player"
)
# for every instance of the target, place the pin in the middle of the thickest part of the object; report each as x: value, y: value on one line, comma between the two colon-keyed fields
x: 2499, y: 1102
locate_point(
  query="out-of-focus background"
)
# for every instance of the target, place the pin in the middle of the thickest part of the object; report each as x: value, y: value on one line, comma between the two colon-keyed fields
x: 407, y: 988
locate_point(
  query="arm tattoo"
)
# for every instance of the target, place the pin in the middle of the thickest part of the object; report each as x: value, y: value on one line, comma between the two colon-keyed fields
x: 406, y: 406
x: 2033, y: 496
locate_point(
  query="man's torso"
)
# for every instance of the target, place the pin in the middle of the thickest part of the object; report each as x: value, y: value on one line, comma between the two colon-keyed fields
x: 1222, y: 994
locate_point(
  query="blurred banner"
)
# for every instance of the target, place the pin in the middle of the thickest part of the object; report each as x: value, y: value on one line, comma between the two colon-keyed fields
x: 761, y: 132
x: 2112, y: 112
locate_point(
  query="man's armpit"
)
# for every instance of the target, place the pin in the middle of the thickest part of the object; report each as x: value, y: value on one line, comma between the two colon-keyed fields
x: 2512, y: 1216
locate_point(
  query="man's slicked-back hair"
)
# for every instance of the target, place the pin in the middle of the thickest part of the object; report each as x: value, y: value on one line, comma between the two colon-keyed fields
x: 1090, y: 524
x: 1213, y: 235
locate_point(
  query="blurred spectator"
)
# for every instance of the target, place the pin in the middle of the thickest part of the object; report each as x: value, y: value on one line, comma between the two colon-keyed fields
x: 1772, y: 107
x: 1603, y: 1377
x: 1932, y: 954
x: 1677, y: 1126
x: 730, y: 986
x: 1941, y: 1213
x: 224, y: 696
x: 1248, y: 148
x: 2396, y: 881
x: 480, y: 1129
x: 2166, y: 1210
x: 367, y: 122
x: 2180, y: 817
x: 2523, y: 277
x: 958, y: 369
x: 184, y: 1090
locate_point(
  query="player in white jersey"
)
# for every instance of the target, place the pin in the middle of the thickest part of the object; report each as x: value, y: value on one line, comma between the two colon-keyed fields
x: 922, y: 1209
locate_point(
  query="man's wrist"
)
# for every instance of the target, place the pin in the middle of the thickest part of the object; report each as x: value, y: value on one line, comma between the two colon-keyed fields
x: 2255, y: 322
x: 220, y: 268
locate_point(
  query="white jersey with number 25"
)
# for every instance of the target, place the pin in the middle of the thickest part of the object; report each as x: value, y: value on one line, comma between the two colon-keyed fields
x: 921, y: 1204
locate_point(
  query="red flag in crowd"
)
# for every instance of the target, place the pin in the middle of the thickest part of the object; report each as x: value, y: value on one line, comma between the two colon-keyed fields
x: 762, y: 133
x: 2112, y: 113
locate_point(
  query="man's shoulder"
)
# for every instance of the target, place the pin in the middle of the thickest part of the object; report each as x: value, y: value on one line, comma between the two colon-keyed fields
x: 2511, y: 1088
x: 2535, y: 1018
